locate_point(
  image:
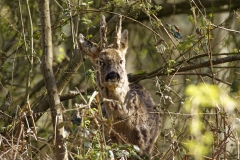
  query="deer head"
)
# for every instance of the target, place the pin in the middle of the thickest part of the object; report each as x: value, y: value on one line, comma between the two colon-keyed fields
x: 109, y: 61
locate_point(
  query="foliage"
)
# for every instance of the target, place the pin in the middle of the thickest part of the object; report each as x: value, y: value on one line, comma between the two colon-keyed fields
x: 193, y: 48
x: 202, y: 100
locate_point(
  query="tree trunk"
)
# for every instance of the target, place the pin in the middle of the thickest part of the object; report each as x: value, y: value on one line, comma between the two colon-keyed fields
x: 50, y: 82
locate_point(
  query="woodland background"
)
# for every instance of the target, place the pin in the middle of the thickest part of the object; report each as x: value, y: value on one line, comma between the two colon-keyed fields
x: 185, y: 52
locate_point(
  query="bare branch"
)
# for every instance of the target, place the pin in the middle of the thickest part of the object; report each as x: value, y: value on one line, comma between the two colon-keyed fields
x: 68, y: 96
x: 103, y: 32
x: 30, y: 58
x: 207, y: 63
x: 183, y: 7
x: 162, y: 71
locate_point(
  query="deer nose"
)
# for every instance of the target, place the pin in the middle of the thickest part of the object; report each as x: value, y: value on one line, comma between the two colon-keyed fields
x: 112, y: 76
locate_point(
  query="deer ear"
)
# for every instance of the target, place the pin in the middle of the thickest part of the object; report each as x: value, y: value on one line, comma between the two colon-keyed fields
x: 90, y: 48
x: 124, y: 41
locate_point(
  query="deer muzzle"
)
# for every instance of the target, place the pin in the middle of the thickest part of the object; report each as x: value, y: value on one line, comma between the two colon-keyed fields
x: 112, y: 78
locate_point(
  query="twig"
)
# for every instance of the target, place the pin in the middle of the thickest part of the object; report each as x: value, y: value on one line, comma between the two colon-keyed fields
x: 30, y: 58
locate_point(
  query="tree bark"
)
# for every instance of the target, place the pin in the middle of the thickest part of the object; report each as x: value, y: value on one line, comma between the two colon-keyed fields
x: 50, y: 82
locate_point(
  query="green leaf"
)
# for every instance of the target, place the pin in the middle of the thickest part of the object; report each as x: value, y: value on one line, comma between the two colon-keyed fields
x: 90, y: 2
x: 211, y: 15
x: 36, y: 35
x: 140, y: 72
x: 136, y: 148
x: 59, y: 42
x: 235, y: 87
x: 158, y: 8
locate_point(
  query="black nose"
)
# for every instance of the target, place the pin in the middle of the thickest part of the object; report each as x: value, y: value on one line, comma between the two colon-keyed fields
x: 112, y: 76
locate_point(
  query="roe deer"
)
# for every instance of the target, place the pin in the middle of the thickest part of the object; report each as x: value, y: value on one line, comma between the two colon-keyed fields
x: 129, y: 106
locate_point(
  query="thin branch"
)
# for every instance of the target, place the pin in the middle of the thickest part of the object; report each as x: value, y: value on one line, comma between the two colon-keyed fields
x: 214, y: 62
x: 162, y: 71
x: 103, y: 32
x: 226, y: 29
x: 184, y: 7
x: 204, y: 74
x: 68, y: 96
x: 30, y: 58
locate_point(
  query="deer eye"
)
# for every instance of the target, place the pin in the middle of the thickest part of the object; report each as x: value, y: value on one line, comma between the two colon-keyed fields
x: 99, y: 62
x: 121, y: 62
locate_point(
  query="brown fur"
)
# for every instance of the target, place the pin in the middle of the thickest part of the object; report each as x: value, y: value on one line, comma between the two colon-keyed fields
x: 129, y: 106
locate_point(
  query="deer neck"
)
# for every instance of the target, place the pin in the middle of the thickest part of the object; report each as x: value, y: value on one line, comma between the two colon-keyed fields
x: 116, y: 93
